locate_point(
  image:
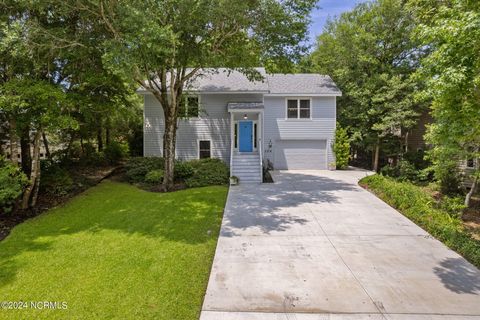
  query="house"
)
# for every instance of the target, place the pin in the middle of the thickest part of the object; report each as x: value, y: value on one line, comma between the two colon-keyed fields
x: 285, y: 121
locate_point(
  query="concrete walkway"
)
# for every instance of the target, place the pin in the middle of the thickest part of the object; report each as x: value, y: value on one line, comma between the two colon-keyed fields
x: 314, y: 245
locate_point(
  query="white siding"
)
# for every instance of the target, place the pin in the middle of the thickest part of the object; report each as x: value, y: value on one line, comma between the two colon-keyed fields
x: 213, y: 124
x: 278, y: 128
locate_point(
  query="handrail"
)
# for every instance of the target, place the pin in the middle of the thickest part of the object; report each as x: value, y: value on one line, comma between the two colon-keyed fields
x: 260, y: 151
x: 232, y: 126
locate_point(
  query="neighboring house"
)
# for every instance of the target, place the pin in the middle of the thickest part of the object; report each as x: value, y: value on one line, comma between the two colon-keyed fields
x: 286, y: 121
x: 416, y: 142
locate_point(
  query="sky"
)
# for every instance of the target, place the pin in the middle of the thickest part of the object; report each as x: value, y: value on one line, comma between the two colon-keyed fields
x: 328, y: 8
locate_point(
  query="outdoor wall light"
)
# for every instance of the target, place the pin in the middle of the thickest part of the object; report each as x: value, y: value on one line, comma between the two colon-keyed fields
x: 245, y: 117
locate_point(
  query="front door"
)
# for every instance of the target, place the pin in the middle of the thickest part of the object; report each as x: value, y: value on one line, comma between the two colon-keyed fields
x: 245, y: 136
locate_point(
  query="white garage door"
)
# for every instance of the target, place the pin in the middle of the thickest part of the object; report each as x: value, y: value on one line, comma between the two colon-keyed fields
x: 301, y: 155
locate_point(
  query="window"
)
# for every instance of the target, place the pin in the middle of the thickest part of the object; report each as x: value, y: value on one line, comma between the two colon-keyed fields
x: 204, y: 149
x: 189, y: 107
x: 298, y: 108
x: 292, y: 112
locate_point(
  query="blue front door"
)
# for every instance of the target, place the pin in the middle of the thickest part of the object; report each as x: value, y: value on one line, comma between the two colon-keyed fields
x: 245, y: 136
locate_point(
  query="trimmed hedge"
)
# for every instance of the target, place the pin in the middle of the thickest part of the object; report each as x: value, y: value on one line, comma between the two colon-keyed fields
x: 422, y: 209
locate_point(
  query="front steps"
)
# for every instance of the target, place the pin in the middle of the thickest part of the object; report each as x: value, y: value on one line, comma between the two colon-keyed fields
x: 247, y: 167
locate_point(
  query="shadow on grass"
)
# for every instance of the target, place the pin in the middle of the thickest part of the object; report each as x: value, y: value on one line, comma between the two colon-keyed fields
x: 190, y: 216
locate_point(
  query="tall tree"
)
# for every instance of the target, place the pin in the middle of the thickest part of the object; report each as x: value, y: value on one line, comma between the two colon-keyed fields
x: 370, y: 55
x: 452, y: 72
x: 165, y: 44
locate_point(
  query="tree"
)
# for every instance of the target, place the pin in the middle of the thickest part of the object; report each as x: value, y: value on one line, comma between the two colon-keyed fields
x: 341, y: 147
x: 163, y: 45
x: 452, y: 74
x: 370, y: 55
x: 39, y: 106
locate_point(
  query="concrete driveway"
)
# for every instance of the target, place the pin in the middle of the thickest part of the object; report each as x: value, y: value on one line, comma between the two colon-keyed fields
x: 314, y: 245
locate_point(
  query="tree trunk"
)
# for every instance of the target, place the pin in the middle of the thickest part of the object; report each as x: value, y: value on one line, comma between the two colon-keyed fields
x: 376, y: 156
x: 472, y: 191
x: 99, y: 139
x: 45, y: 144
x: 35, y: 174
x: 169, y: 140
x: 13, y: 141
x: 107, y: 136
x: 25, y: 151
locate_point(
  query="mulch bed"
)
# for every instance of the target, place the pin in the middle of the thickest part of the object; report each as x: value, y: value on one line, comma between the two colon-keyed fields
x: 84, y: 177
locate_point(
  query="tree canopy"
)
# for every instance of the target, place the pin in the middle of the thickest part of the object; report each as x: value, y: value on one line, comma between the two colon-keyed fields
x: 369, y: 53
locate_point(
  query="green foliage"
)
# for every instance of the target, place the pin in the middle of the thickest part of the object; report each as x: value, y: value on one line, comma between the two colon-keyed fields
x: 370, y: 55
x: 138, y: 167
x: 454, y: 206
x: 208, y: 172
x: 115, y: 152
x: 183, y: 170
x: 452, y: 74
x: 12, y: 183
x: 449, y: 179
x: 403, y: 171
x: 55, y: 180
x: 417, y: 205
x: 341, y: 147
x: 154, y: 176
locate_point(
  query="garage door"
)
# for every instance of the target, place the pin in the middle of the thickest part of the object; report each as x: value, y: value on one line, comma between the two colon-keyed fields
x: 301, y: 155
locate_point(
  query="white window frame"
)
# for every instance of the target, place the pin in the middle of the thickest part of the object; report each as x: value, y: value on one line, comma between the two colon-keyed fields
x: 298, y: 108
x: 198, y: 147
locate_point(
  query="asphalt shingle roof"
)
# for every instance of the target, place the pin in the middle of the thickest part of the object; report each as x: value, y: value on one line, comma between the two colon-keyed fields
x: 225, y: 80
x: 303, y: 83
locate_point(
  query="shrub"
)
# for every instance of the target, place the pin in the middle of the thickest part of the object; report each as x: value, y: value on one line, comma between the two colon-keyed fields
x: 207, y: 172
x: 154, y: 176
x: 138, y: 167
x: 341, y: 147
x: 441, y: 220
x: 12, y: 183
x: 406, y: 171
x: 55, y: 180
x: 417, y: 159
x: 453, y: 206
x: 115, y: 152
x: 183, y: 170
x: 450, y: 181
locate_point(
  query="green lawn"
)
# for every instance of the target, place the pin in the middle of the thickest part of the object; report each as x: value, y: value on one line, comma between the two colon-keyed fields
x: 115, y: 252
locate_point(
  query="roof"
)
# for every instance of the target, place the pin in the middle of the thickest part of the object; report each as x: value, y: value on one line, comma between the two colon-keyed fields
x: 304, y: 83
x: 245, y: 106
x: 225, y: 80
x: 218, y: 80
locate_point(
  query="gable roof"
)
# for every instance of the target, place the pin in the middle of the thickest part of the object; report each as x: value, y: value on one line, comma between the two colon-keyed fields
x: 218, y: 80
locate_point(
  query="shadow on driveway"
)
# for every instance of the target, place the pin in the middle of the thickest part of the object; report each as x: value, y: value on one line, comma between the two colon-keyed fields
x: 459, y: 276
x: 278, y: 206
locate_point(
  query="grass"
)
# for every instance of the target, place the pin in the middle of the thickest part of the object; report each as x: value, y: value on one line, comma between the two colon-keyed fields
x: 420, y: 207
x: 115, y: 252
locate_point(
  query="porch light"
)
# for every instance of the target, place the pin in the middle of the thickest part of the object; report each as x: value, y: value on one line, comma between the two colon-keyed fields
x: 245, y: 117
